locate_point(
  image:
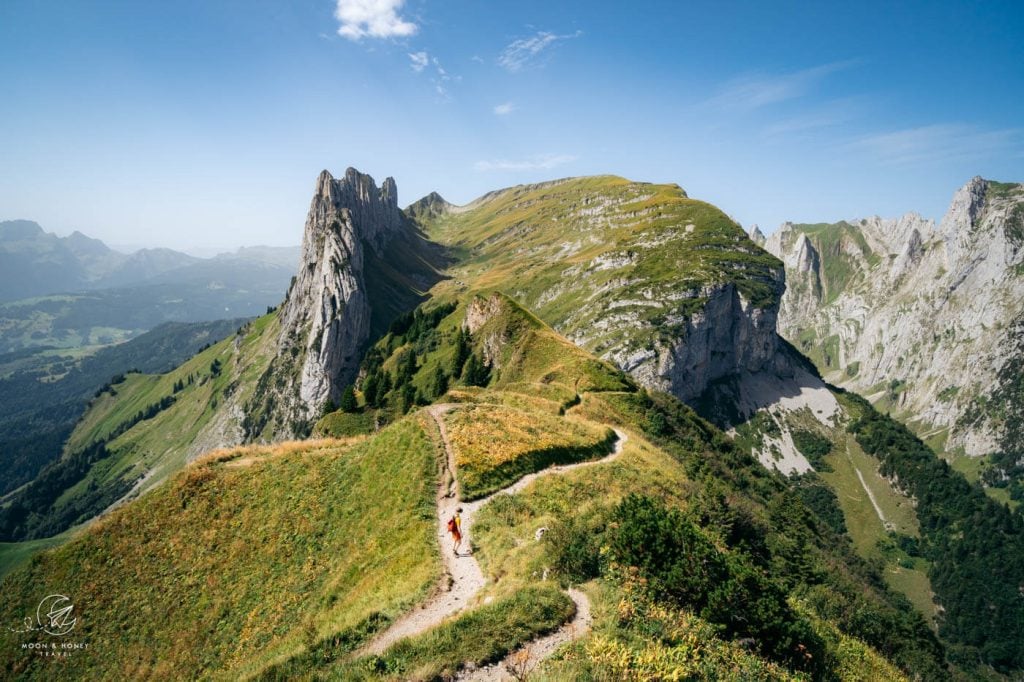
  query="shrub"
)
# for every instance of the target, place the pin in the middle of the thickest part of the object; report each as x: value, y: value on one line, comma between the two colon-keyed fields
x: 574, y: 543
x: 814, y: 447
x: 684, y: 568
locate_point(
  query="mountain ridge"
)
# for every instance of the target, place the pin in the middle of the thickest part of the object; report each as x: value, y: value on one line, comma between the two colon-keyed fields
x: 876, y: 297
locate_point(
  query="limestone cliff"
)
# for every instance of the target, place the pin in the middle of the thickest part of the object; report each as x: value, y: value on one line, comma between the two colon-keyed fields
x: 355, y: 274
x: 915, y: 315
x: 726, y: 337
x: 326, y: 314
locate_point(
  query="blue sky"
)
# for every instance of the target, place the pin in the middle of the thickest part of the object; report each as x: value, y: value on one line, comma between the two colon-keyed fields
x: 204, y: 124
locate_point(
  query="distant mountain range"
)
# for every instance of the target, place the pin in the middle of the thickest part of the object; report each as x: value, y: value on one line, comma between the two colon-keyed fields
x: 74, y: 291
x: 37, y: 263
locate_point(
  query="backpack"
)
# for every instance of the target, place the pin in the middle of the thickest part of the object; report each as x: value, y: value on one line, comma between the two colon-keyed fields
x: 451, y: 525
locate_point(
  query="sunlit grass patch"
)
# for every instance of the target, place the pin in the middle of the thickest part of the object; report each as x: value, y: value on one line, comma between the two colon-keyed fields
x: 496, y: 445
x: 482, y: 636
x: 247, y: 558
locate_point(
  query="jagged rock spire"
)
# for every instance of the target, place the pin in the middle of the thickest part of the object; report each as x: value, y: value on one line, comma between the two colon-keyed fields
x: 756, y: 235
x: 325, y: 320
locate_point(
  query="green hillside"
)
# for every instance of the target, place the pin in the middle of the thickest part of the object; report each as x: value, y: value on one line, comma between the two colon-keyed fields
x: 138, y: 432
x: 583, y: 250
x: 290, y: 557
x: 243, y: 559
x: 695, y: 558
x: 44, y: 391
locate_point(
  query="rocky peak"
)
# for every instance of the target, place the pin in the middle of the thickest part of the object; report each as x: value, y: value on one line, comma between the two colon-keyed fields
x: 957, y: 225
x: 757, y: 236
x: 375, y: 210
x: 325, y: 320
x: 909, y: 257
x: 965, y: 208
x: 429, y: 207
x: 804, y: 257
x: 929, y: 306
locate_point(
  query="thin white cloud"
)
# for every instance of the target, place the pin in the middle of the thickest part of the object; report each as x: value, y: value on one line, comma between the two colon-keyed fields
x: 425, y: 62
x: 504, y: 109
x: 441, y: 78
x: 541, y: 162
x: 418, y: 61
x: 814, y: 119
x: 372, y: 18
x: 521, y: 52
x: 939, y: 142
x: 754, y: 91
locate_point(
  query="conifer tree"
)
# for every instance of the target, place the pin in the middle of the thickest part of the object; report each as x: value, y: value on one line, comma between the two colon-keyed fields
x: 348, y: 400
x: 371, y: 385
x: 476, y: 373
x: 461, y: 351
x: 439, y: 385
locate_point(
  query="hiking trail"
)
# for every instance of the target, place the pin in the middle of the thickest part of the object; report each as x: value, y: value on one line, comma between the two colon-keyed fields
x: 871, y: 496
x: 463, y: 579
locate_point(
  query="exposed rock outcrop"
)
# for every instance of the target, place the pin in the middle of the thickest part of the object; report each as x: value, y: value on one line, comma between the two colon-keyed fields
x: 325, y: 321
x: 479, y: 312
x: 757, y: 236
x: 914, y: 315
x: 327, y: 310
x: 727, y: 336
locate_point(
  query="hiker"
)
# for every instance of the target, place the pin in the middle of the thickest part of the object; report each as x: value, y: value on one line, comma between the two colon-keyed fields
x: 455, y: 528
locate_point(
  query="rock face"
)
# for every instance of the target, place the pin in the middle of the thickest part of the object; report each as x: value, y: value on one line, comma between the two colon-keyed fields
x: 727, y: 337
x: 326, y: 317
x: 757, y: 236
x: 918, y: 317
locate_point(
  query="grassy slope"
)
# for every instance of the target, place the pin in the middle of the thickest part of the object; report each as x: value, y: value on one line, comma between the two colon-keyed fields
x: 537, y: 374
x: 714, y: 250
x: 154, y: 449
x: 15, y: 554
x: 589, y: 249
x: 622, y: 646
x: 243, y: 560
x: 539, y: 362
x: 496, y: 445
x: 162, y: 443
x: 872, y: 539
x: 241, y: 366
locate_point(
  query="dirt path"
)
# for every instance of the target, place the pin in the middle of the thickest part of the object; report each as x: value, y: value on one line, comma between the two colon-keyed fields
x: 525, y: 660
x: 871, y: 496
x: 463, y: 578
